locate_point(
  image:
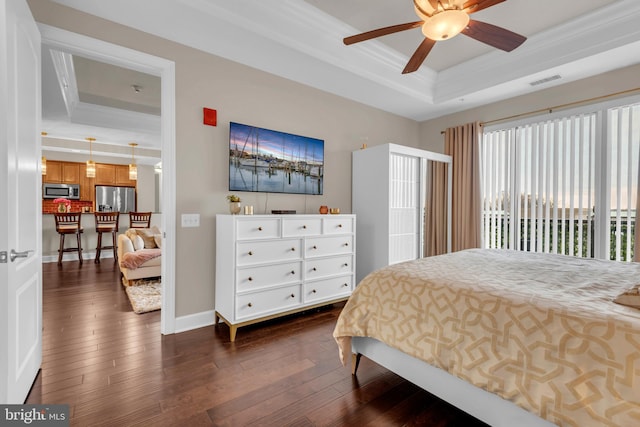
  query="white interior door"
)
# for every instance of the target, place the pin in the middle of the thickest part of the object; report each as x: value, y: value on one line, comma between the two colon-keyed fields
x: 20, y: 202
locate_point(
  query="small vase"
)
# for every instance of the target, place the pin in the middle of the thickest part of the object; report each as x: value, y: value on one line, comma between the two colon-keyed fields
x: 62, y: 208
x: 324, y: 209
x: 234, y: 207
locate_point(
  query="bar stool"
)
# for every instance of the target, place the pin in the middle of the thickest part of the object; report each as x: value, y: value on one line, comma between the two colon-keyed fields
x: 69, y: 223
x: 107, y: 222
x: 139, y: 219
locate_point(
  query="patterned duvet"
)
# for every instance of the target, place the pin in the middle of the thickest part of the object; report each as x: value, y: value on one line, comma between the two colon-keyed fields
x: 539, y: 330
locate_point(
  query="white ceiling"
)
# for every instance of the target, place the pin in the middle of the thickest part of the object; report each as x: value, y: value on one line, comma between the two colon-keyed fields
x: 302, y: 41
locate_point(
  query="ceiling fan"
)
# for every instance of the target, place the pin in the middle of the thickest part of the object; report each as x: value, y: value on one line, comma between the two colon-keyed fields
x: 442, y: 20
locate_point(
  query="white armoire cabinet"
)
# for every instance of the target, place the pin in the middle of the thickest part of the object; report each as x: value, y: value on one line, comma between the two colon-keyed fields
x: 389, y: 187
x: 269, y: 266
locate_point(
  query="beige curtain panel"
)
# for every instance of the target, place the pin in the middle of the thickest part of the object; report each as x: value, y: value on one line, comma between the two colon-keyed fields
x: 462, y: 143
x: 435, y: 242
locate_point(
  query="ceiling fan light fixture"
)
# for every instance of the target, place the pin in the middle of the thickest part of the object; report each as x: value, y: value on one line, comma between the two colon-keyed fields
x: 445, y: 25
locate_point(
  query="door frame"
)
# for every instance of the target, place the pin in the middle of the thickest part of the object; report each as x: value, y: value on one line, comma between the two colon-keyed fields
x: 102, y: 51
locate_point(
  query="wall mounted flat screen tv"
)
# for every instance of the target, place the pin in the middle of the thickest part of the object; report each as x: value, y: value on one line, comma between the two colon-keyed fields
x: 266, y: 160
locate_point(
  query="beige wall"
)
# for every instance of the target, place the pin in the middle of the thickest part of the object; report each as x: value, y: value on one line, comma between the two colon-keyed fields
x: 245, y: 95
x: 613, y: 82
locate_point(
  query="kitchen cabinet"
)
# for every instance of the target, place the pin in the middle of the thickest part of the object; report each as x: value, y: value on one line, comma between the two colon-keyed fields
x: 269, y: 266
x: 105, y: 174
x: 122, y: 176
x: 54, y: 172
x: 70, y: 173
x: 62, y: 172
x: 87, y: 185
x: 59, y: 172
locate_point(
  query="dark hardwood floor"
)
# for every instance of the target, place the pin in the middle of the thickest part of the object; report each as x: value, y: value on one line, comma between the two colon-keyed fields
x: 113, y: 367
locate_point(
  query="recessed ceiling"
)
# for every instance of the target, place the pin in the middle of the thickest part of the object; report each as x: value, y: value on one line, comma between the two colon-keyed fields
x: 572, y: 39
x: 84, y: 98
x: 116, y: 87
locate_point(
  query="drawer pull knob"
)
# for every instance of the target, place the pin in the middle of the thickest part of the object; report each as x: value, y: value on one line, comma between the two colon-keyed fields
x: 346, y: 244
x: 345, y: 265
x: 293, y: 272
x: 250, y: 253
x: 293, y: 296
x: 314, y: 269
x: 345, y: 285
x: 293, y: 249
x: 314, y: 247
x: 339, y: 225
x: 304, y: 226
x: 250, y: 278
x: 259, y: 228
x: 250, y: 305
x: 313, y: 291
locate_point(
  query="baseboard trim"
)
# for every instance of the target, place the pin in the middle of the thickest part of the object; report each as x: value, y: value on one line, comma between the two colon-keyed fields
x: 195, y: 321
x: 88, y: 254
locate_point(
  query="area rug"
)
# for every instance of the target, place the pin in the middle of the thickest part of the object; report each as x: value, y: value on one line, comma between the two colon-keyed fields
x: 145, y: 295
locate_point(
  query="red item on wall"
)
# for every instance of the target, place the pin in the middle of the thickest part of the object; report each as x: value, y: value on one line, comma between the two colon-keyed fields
x: 210, y: 117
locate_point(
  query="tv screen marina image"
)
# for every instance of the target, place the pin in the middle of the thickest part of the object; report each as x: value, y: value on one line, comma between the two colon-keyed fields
x: 265, y: 160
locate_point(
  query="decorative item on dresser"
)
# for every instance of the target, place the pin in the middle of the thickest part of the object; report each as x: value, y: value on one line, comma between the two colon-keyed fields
x: 269, y: 266
x: 234, y: 204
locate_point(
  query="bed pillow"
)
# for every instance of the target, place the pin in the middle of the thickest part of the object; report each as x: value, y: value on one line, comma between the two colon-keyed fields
x: 630, y: 297
x: 158, y: 239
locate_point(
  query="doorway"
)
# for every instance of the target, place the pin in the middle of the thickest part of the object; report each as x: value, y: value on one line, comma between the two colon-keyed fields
x: 99, y: 50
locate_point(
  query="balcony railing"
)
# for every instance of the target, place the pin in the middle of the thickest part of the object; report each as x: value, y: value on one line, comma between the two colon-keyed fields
x: 570, y: 237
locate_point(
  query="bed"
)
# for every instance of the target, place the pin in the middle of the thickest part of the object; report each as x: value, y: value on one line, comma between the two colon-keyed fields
x: 513, y: 338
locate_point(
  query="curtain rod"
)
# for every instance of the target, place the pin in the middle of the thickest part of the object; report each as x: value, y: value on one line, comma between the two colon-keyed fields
x: 558, y: 107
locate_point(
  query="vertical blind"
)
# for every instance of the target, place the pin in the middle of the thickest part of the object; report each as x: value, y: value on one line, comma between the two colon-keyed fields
x: 404, y: 238
x: 559, y: 186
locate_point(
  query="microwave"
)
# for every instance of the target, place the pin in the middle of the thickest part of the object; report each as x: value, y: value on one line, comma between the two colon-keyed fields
x: 67, y: 191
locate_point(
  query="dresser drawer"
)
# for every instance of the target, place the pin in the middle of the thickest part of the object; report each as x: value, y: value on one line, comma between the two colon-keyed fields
x: 250, y: 253
x: 268, y: 275
x: 323, y: 267
x: 326, y: 289
x: 292, y: 227
x: 338, y: 225
x: 323, y: 246
x: 258, y: 228
x: 258, y: 304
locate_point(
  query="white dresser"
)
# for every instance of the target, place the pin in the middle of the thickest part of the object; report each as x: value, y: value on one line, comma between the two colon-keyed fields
x: 272, y: 265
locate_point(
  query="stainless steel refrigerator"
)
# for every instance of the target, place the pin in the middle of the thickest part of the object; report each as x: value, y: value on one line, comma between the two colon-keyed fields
x: 115, y: 199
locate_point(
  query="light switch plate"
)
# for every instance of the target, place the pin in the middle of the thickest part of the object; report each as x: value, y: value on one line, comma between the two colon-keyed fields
x: 190, y: 220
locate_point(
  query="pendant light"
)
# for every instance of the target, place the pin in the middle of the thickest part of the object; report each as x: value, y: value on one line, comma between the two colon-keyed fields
x: 133, y: 169
x: 91, y: 165
x: 43, y: 161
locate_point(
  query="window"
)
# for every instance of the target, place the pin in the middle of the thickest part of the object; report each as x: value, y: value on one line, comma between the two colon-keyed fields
x: 567, y: 184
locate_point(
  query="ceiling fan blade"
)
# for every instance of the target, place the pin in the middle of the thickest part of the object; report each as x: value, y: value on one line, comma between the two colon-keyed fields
x: 419, y: 56
x: 381, y: 32
x: 492, y: 35
x: 473, y: 6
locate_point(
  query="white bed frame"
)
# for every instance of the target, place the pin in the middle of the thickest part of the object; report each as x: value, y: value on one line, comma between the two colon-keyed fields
x: 485, y: 406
